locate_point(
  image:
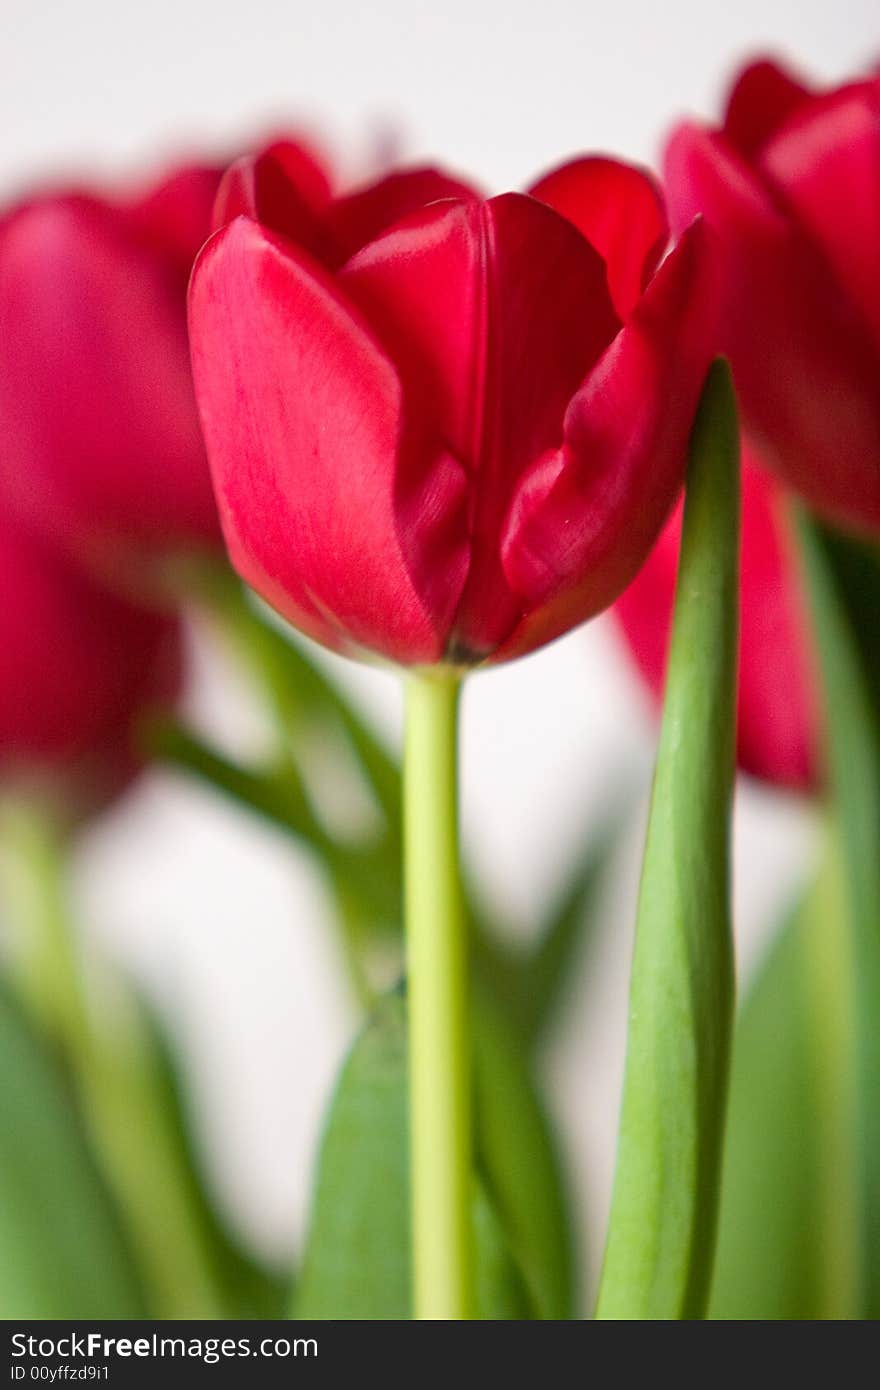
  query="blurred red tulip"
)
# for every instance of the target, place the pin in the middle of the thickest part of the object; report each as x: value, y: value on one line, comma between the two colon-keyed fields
x: 102, y: 450
x: 791, y: 183
x: 78, y: 667
x: 778, y: 705
x: 443, y: 428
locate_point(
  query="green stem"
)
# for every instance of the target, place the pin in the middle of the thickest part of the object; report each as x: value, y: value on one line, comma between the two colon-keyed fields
x: 437, y: 992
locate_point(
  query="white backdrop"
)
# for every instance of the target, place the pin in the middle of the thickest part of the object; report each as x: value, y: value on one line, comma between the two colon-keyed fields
x: 220, y: 918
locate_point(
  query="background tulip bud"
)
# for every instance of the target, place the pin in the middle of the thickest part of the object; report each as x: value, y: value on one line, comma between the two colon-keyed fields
x: 778, y: 701
x: 102, y: 449
x: 463, y: 440
x: 79, y: 667
x: 791, y: 183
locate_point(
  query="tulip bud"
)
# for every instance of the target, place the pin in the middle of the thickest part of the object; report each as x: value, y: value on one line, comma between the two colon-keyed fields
x: 79, y: 666
x: 790, y: 182
x: 102, y: 450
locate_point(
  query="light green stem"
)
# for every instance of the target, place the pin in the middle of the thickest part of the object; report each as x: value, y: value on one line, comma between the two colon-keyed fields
x: 437, y: 993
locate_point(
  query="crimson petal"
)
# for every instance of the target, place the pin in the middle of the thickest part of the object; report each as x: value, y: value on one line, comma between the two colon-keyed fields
x: 361, y: 216
x: 620, y: 210
x: 805, y: 365
x: 494, y: 313
x: 283, y: 188
x: 777, y: 717
x: 175, y: 214
x: 825, y: 164
x: 101, y: 438
x: 585, y: 519
x: 329, y: 509
x: 763, y: 97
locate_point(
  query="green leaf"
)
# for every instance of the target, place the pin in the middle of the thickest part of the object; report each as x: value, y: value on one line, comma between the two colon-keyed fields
x: 299, y: 691
x: 365, y: 881
x: 129, y: 1090
x: 843, y: 582
x: 547, y: 968
x: 768, y: 1264
x: 246, y: 1287
x: 658, y: 1255
x: 516, y: 1154
x: 357, y: 1259
x: 64, y: 1255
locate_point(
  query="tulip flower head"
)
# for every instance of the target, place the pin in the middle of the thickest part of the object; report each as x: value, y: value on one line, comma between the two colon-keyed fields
x: 790, y: 182
x: 444, y: 428
x: 101, y: 443
x: 79, y: 666
x: 778, y: 715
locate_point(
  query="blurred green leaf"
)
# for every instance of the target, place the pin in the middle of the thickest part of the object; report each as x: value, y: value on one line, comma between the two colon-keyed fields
x: 300, y: 692
x: 121, y: 1080
x: 357, y: 1259
x: 535, y: 980
x: 363, y: 878
x: 768, y: 1262
x: 658, y: 1256
x: 247, y: 1287
x: 843, y: 582
x: 64, y: 1255
x: 515, y: 1152
x: 129, y: 1088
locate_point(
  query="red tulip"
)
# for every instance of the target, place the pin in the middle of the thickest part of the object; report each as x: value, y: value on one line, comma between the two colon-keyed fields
x: 78, y: 667
x: 791, y: 183
x: 101, y: 442
x: 778, y: 710
x: 447, y: 429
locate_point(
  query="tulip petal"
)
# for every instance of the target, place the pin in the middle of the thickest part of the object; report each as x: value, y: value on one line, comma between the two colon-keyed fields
x: 330, y: 510
x: 494, y: 313
x: 77, y: 668
x: 778, y: 706
x: 283, y: 188
x: 586, y: 517
x: 825, y: 165
x: 101, y: 442
x: 620, y: 211
x: 778, y: 731
x: 361, y: 216
x: 805, y: 366
x: 175, y: 214
x: 763, y: 97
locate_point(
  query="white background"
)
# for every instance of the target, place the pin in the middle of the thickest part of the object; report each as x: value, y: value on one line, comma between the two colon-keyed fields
x: 227, y: 926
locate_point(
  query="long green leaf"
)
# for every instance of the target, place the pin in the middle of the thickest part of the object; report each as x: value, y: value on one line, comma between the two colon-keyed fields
x: 357, y: 1260
x: 843, y: 580
x: 566, y: 930
x: 769, y: 1259
x: 658, y: 1256
x: 516, y: 1154
x: 246, y: 1288
x: 63, y: 1253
